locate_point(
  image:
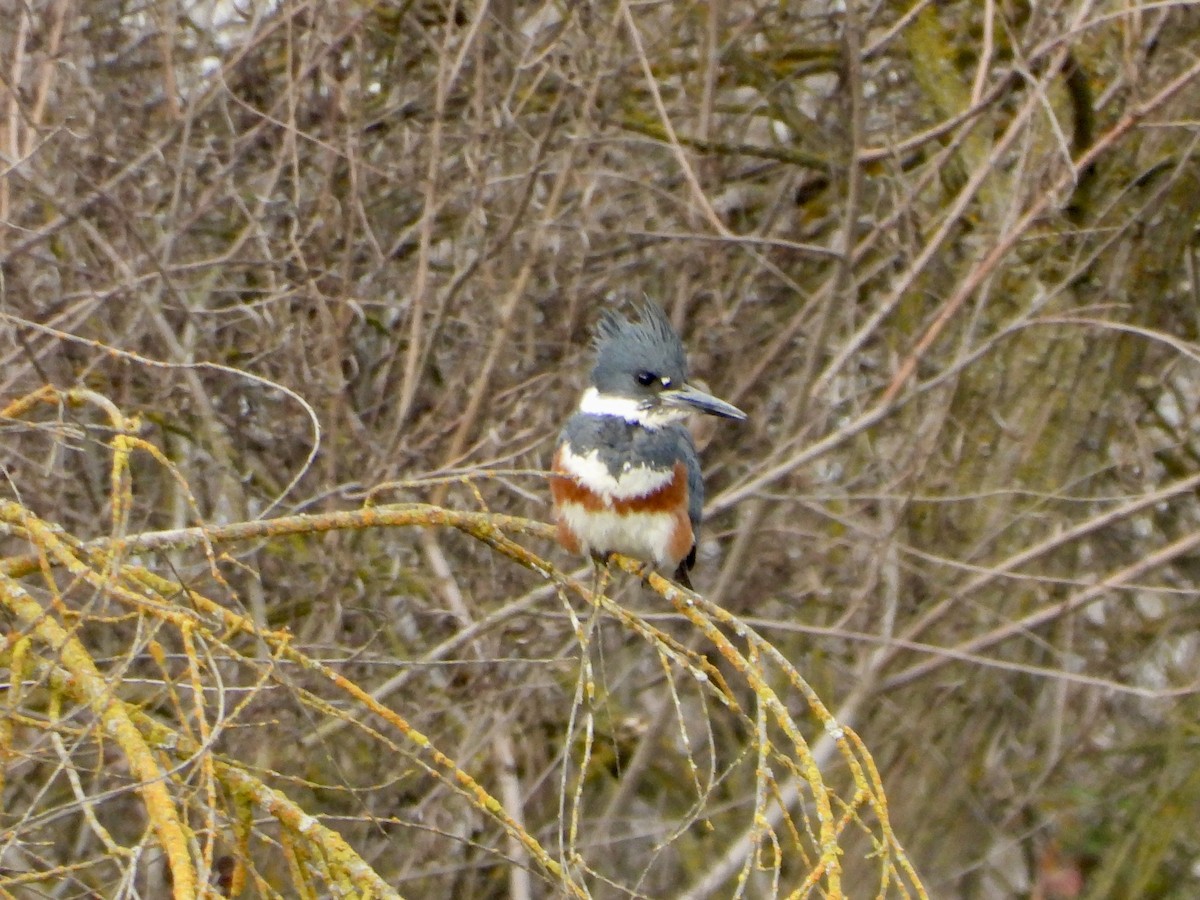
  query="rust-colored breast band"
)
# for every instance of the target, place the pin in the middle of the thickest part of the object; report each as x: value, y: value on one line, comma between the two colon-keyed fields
x: 565, y: 488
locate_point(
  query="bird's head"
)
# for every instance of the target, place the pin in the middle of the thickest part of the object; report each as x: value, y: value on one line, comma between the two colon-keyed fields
x: 641, y: 372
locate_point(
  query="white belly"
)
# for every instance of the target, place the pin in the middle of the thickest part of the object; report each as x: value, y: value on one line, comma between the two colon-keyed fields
x: 645, y: 536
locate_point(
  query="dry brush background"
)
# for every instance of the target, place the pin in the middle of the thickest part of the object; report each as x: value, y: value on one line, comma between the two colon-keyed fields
x: 295, y: 295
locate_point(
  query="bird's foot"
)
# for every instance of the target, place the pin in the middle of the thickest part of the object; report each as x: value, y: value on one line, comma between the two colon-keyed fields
x: 644, y: 571
x: 601, y: 572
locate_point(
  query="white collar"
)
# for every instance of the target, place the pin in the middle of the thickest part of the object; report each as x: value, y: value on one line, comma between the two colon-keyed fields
x: 594, y: 403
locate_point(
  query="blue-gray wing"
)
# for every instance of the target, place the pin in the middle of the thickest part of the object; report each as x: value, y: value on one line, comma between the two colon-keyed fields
x: 687, y: 452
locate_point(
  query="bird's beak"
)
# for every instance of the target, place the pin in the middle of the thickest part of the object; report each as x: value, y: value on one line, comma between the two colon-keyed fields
x: 694, y: 399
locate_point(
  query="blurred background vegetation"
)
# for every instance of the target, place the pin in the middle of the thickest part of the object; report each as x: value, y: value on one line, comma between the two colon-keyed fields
x: 943, y: 253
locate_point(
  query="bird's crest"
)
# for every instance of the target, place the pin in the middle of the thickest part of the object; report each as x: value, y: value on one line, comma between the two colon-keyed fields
x: 650, y: 337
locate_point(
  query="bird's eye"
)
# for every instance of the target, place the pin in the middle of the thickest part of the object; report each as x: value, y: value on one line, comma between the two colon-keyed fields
x: 645, y: 379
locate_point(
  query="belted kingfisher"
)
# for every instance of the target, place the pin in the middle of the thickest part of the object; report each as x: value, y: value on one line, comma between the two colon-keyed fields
x: 626, y: 476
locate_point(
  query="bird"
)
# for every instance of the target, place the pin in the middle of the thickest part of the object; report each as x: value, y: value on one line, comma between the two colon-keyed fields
x: 626, y: 477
